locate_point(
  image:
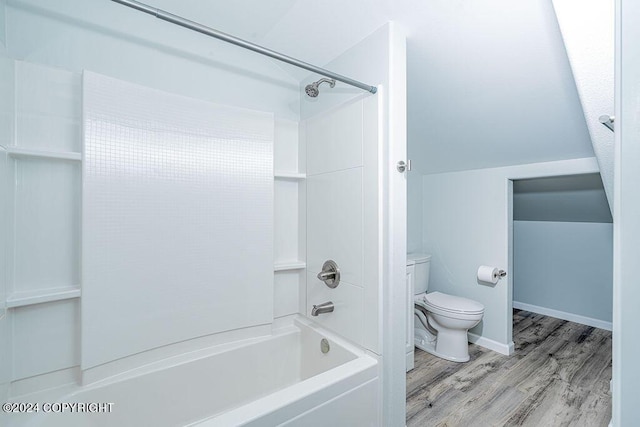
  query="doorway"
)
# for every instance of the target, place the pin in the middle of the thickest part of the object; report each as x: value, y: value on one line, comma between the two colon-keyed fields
x: 563, y: 249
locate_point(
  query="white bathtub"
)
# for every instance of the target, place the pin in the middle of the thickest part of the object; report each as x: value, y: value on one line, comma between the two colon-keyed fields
x: 282, y: 379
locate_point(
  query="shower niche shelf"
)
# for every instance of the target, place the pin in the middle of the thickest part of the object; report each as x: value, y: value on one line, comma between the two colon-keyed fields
x: 21, y: 299
x: 289, y: 175
x: 43, y: 154
x: 290, y: 265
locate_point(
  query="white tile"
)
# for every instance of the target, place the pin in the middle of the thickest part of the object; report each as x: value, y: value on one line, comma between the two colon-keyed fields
x: 5, y: 353
x: 302, y: 146
x: 177, y: 219
x: 286, y: 290
x: 347, y: 319
x: 285, y: 146
x: 7, y: 101
x: 48, y: 107
x: 334, y: 223
x: 48, y: 91
x: 48, y: 133
x: 5, y: 223
x: 372, y: 224
x: 286, y: 221
x: 334, y: 140
x: 47, y: 224
x: 302, y: 219
x: 50, y: 329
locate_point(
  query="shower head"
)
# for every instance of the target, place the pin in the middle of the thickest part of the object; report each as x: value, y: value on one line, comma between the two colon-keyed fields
x: 312, y: 89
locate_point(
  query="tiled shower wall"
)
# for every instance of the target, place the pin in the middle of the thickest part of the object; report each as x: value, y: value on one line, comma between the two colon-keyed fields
x: 43, y: 224
x: 40, y: 165
x: 342, y: 206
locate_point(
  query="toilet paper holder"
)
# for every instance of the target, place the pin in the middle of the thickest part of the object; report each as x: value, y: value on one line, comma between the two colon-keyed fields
x: 489, y: 274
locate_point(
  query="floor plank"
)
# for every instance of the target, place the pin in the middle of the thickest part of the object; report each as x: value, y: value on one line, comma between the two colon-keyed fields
x: 558, y: 376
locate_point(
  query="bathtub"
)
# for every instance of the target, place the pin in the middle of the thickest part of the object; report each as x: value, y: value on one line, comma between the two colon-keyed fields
x: 280, y: 379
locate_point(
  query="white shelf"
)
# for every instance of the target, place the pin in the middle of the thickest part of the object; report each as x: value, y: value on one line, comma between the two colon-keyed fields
x: 291, y: 265
x: 60, y: 155
x: 289, y: 175
x: 21, y: 299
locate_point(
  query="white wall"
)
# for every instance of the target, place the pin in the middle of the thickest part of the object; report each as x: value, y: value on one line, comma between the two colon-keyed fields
x: 68, y: 38
x: 3, y: 34
x: 466, y: 224
x: 290, y: 219
x: 6, y: 133
x: 72, y: 35
x: 490, y: 85
x: 626, y: 297
x: 414, y: 211
x: 43, y: 225
x: 5, y: 331
x: 566, y: 267
x: 341, y: 187
x: 196, y: 247
x: 588, y: 34
x: 47, y: 219
x: 378, y: 60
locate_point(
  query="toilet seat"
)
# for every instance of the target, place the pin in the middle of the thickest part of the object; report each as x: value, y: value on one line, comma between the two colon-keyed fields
x: 439, y: 302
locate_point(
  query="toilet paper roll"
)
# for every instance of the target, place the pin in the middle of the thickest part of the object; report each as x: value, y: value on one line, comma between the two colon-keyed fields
x: 488, y: 274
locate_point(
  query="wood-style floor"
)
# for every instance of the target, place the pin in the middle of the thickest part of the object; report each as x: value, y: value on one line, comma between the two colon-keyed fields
x: 558, y: 376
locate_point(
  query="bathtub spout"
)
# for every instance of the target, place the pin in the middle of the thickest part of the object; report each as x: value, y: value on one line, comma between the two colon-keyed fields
x: 326, y: 307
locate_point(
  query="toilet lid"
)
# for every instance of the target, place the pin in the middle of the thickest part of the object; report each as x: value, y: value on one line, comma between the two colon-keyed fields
x: 452, y: 303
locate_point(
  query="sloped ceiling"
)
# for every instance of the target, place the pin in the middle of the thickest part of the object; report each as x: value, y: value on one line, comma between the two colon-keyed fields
x: 590, y: 46
x: 576, y: 198
x: 489, y: 81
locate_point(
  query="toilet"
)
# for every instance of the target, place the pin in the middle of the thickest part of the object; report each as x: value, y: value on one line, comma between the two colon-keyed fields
x: 441, y: 321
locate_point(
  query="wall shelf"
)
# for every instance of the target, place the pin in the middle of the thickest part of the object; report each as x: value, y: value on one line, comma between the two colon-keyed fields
x: 21, y: 299
x: 43, y: 154
x: 289, y: 175
x: 290, y: 265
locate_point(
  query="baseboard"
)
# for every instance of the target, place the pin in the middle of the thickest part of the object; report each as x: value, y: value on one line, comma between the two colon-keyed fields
x: 506, y: 349
x: 410, y: 361
x: 596, y: 323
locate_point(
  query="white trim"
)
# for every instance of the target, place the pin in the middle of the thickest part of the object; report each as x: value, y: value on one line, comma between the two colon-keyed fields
x: 506, y: 349
x: 410, y: 360
x: 21, y: 299
x: 289, y: 175
x: 41, y: 384
x: 289, y: 265
x: 596, y: 323
x: 27, y: 152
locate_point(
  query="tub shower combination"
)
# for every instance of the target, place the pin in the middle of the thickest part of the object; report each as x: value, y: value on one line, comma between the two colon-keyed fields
x: 298, y: 375
x: 152, y: 161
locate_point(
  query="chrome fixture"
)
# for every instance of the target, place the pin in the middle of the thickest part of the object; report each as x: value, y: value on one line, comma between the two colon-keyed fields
x: 326, y: 307
x: 324, y: 345
x: 607, y: 121
x: 501, y: 274
x: 191, y: 25
x: 313, y: 90
x: 402, y: 166
x: 330, y: 274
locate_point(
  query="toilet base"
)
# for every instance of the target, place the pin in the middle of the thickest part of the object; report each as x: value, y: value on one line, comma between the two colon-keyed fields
x: 426, y: 342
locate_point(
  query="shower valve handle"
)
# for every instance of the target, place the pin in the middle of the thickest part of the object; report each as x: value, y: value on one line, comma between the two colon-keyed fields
x: 330, y: 274
x: 324, y: 275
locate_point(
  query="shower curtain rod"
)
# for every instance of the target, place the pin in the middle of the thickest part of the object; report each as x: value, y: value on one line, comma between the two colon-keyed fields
x: 175, y: 19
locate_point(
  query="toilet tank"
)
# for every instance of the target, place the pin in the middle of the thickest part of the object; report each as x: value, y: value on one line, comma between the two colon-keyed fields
x: 421, y: 271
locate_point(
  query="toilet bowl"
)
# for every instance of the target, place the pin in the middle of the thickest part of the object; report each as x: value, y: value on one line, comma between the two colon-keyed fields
x: 451, y: 317
x: 441, y: 321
